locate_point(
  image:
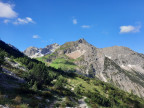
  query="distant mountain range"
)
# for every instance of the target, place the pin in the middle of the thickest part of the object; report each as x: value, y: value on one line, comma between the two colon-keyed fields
x: 118, y: 65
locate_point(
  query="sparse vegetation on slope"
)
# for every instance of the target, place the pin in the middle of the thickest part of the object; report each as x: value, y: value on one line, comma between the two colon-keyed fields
x: 51, y: 86
x: 64, y: 64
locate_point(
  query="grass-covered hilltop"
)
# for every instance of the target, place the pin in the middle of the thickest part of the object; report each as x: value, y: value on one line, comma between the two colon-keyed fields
x: 34, y: 83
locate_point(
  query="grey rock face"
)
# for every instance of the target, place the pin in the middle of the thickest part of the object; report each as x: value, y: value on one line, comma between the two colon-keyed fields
x: 118, y: 65
x: 129, y: 74
x: 31, y: 51
x: 124, y: 56
x: 34, y: 52
x: 128, y: 80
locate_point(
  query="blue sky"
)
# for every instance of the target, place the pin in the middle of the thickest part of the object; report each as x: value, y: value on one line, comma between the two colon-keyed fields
x: 103, y: 23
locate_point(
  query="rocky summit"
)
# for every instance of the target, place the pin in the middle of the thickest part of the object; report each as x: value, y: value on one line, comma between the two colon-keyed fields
x: 117, y: 65
x: 34, y: 52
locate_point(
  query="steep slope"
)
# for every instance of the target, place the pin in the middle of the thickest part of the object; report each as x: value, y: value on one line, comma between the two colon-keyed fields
x: 34, y: 52
x: 48, y: 87
x: 126, y: 80
x: 130, y: 76
x: 117, y: 65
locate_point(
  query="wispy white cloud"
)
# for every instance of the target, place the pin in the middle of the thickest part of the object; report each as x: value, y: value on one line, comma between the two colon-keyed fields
x: 6, y: 10
x: 85, y: 26
x: 35, y: 36
x: 75, y: 21
x: 23, y: 21
x: 130, y: 29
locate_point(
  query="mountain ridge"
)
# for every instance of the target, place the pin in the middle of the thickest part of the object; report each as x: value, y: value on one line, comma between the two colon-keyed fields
x: 34, y: 52
x: 124, y: 64
x: 52, y: 87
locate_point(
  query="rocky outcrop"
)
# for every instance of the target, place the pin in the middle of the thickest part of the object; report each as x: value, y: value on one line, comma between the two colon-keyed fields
x: 125, y: 58
x: 34, y: 52
x: 2, y: 106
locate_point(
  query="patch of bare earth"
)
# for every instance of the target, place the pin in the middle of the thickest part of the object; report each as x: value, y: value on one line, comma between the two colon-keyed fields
x: 76, y: 54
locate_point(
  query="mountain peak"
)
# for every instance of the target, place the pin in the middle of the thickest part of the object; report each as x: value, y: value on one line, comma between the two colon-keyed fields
x: 34, y: 52
x: 82, y: 40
